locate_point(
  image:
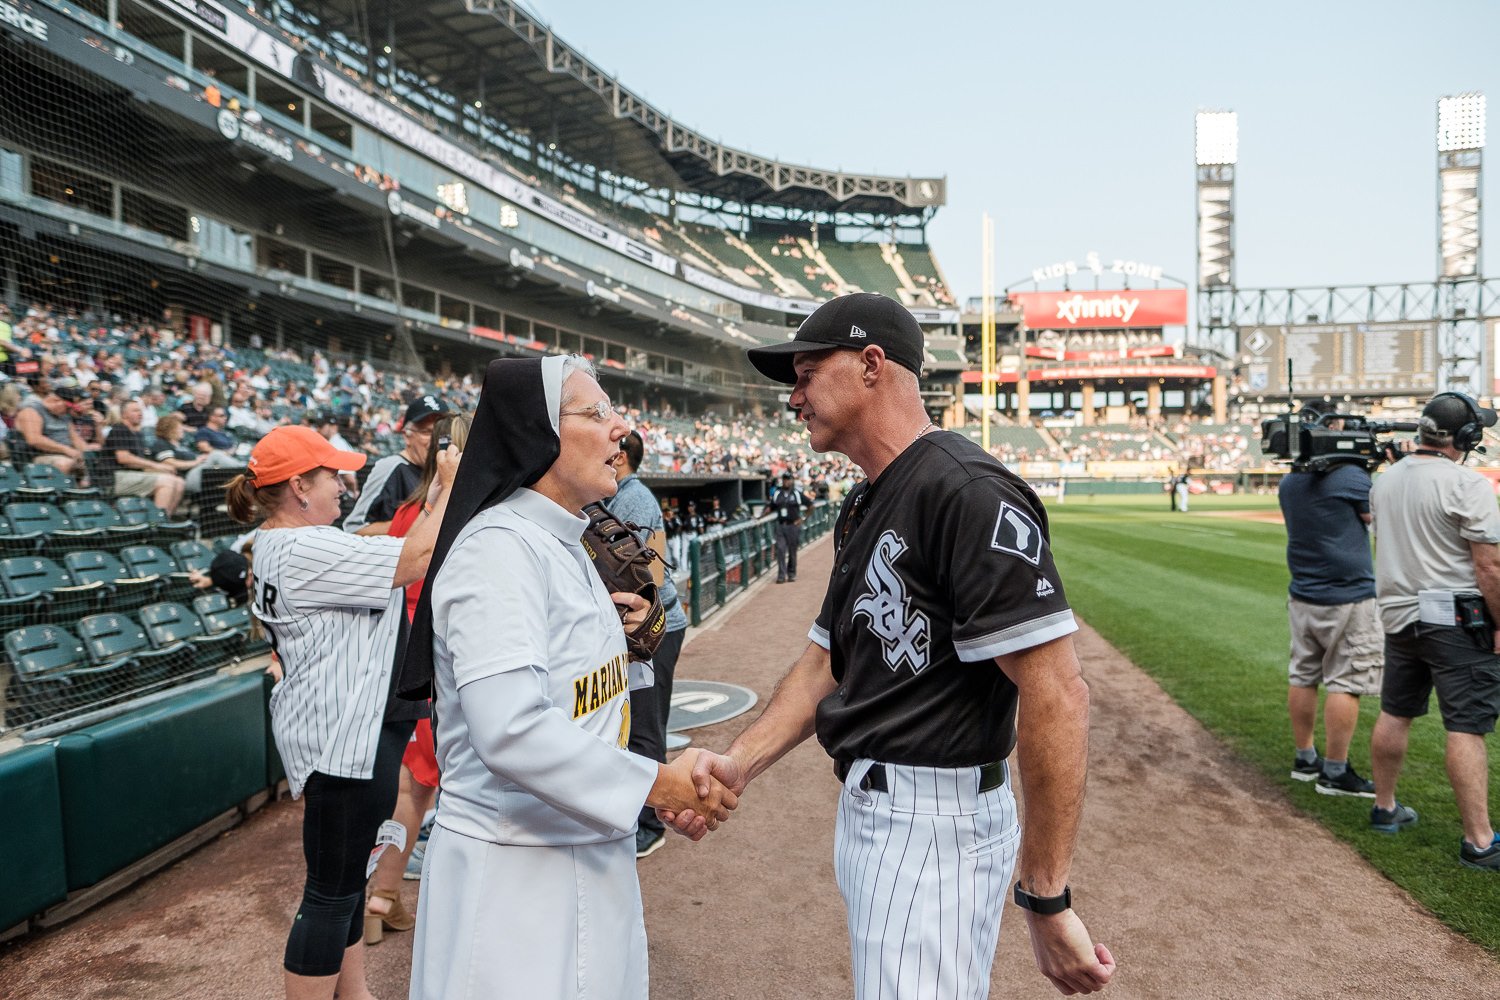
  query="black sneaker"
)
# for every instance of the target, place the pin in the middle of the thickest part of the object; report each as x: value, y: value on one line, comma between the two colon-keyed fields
x: 1307, y: 770
x: 1348, y: 783
x: 1487, y: 859
x: 648, y: 842
x: 1392, y: 820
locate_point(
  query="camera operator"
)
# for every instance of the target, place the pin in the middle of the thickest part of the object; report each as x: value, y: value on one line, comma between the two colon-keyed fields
x: 1336, y: 636
x: 1437, y: 580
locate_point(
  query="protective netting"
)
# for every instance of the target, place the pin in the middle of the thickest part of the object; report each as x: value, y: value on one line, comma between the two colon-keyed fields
x: 151, y: 249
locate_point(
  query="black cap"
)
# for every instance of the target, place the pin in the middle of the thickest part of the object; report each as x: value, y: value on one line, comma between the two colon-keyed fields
x: 421, y: 408
x: 67, y: 389
x: 858, y: 321
x: 227, y: 572
x: 1451, y: 410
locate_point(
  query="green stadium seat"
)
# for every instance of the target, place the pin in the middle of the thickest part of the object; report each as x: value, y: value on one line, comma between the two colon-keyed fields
x: 97, y: 515
x: 37, y: 587
x: 169, y: 623
x: 192, y: 556
x: 51, y: 676
x: 126, y: 592
x: 218, y: 615
x: 116, y: 639
x: 10, y: 481
x: 35, y: 526
x: 41, y: 480
x: 149, y: 560
x: 140, y: 510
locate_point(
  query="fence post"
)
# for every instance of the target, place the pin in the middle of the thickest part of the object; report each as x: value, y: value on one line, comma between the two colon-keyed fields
x: 721, y: 582
x: 695, y: 595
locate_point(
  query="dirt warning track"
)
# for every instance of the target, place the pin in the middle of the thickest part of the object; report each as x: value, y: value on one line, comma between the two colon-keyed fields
x: 1193, y: 868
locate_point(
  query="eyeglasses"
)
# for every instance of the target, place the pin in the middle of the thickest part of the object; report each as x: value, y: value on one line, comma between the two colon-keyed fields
x: 602, y: 412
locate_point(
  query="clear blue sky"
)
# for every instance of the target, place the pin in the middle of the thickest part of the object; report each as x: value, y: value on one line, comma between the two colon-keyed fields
x: 1072, y: 123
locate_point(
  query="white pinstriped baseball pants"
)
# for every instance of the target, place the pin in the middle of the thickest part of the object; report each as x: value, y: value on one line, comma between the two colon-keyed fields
x: 925, y: 870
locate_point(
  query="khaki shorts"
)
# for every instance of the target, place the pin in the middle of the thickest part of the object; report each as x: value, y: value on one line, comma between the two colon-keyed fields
x: 1340, y: 646
x: 130, y: 483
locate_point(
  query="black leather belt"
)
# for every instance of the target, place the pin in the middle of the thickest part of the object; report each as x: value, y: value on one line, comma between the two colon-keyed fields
x: 991, y: 776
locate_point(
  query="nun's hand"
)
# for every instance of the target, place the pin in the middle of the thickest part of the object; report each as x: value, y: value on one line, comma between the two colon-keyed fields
x: 633, y: 610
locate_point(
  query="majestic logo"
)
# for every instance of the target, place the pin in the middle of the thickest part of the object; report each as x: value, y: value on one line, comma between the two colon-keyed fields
x: 903, y: 632
x: 1044, y: 587
x: 856, y: 332
x: 1018, y: 534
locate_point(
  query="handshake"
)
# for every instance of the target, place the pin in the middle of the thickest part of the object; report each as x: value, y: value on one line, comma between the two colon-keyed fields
x: 697, y: 791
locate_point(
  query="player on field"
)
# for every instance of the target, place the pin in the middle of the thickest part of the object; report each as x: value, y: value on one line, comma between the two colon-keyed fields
x: 944, y: 612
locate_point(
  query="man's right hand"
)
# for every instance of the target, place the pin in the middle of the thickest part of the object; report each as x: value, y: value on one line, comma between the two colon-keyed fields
x: 678, y: 792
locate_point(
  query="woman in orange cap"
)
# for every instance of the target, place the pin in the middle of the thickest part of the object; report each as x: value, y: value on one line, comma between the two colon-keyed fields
x: 332, y: 606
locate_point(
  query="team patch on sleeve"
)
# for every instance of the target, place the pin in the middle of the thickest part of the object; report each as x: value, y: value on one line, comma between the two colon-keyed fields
x: 1017, y: 532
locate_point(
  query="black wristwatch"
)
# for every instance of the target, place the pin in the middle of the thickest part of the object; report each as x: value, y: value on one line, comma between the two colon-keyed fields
x: 1045, y: 905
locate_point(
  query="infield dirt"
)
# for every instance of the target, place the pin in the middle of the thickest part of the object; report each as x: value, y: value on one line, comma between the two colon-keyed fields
x: 1191, y: 867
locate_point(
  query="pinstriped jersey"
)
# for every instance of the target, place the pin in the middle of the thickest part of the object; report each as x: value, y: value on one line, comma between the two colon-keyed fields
x: 943, y: 563
x: 326, y: 602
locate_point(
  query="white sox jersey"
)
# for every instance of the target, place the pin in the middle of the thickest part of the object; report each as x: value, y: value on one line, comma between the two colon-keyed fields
x: 519, y: 612
x: 326, y: 602
x: 943, y: 564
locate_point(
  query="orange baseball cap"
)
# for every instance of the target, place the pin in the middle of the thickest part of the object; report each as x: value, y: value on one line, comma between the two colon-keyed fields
x: 290, y: 451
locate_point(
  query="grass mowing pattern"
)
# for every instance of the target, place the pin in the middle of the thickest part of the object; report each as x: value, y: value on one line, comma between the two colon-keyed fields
x: 1199, y: 603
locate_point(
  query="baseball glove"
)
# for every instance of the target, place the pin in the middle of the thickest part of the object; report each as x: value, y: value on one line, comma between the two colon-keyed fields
x: 624, y: 564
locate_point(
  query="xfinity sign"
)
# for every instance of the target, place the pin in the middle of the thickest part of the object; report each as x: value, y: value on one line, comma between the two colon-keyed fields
x: 1134, y: 308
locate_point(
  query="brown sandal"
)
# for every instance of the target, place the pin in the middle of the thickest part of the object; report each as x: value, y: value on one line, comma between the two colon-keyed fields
x: 398, y: 919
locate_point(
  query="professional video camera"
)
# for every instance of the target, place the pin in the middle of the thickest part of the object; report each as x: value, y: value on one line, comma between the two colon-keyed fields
x: 1316, y: 441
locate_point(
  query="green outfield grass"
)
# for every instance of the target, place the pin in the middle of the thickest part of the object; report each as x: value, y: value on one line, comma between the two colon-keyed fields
x: 1199, y: 602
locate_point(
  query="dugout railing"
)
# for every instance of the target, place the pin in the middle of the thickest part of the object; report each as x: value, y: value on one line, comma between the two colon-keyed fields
x: 725, y: 561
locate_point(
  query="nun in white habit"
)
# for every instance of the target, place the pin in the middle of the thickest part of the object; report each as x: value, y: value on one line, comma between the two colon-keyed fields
x: 529, y: 887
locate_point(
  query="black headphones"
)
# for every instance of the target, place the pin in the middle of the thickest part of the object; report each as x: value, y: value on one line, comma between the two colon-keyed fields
x: 1470, y: 435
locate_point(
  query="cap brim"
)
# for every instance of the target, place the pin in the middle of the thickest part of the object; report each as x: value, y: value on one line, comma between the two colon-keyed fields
x: 344, y: 461
x: 776, y: 361
x: 1486, y: 416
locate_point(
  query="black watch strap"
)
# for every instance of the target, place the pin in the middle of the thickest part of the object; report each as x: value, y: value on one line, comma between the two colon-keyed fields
x: 1045, y: 905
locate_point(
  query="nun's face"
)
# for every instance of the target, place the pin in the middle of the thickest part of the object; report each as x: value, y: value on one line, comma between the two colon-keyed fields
x: 590, y: 432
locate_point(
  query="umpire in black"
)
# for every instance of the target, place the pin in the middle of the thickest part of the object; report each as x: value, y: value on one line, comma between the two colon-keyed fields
x: 787, y: 503
x: 944, y: 641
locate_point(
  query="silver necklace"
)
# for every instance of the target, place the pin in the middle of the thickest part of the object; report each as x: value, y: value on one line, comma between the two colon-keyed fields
x: 925, y: 428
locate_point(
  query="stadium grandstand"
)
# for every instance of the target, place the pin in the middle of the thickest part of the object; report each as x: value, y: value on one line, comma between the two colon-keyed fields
x: 311, y: 212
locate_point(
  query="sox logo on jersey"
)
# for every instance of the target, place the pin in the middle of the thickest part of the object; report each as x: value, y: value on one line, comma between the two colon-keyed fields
x: 903, y: 632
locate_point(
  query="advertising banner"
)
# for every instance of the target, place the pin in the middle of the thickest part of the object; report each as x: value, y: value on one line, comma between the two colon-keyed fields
x: 1109, y: 310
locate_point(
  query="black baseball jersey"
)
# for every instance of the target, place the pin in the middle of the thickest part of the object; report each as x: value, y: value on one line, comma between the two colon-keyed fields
x: 943, y: 563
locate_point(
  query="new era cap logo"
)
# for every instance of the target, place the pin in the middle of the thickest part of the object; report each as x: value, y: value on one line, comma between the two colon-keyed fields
x: 855, y: 331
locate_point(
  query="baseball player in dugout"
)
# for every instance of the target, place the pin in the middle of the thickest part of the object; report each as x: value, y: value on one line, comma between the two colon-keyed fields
x: 1335, y: 629
x: 787, y: 503
x: 1437, y: 582
x: 529, y: 885
x: 943, y: 614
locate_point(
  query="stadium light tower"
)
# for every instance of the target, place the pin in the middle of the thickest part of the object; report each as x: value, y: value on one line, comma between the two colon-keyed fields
x: 1217, y: 149
x: 1461, y: 341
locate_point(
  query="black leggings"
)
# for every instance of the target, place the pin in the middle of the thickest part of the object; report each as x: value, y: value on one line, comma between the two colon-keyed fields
x: 339, y: 823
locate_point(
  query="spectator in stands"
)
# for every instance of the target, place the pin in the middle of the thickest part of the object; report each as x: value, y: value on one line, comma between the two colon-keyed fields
x: 195, y: 411
x: 45, y: 431
x: 418, y: 784
x: 214, y: 437
x: 242, y: 410
x: 393, y: 478
x: 326, y: 423
x: 137, y: 474
x: 331, y: 606
x: 649, y: 707
x: 188, y: 462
